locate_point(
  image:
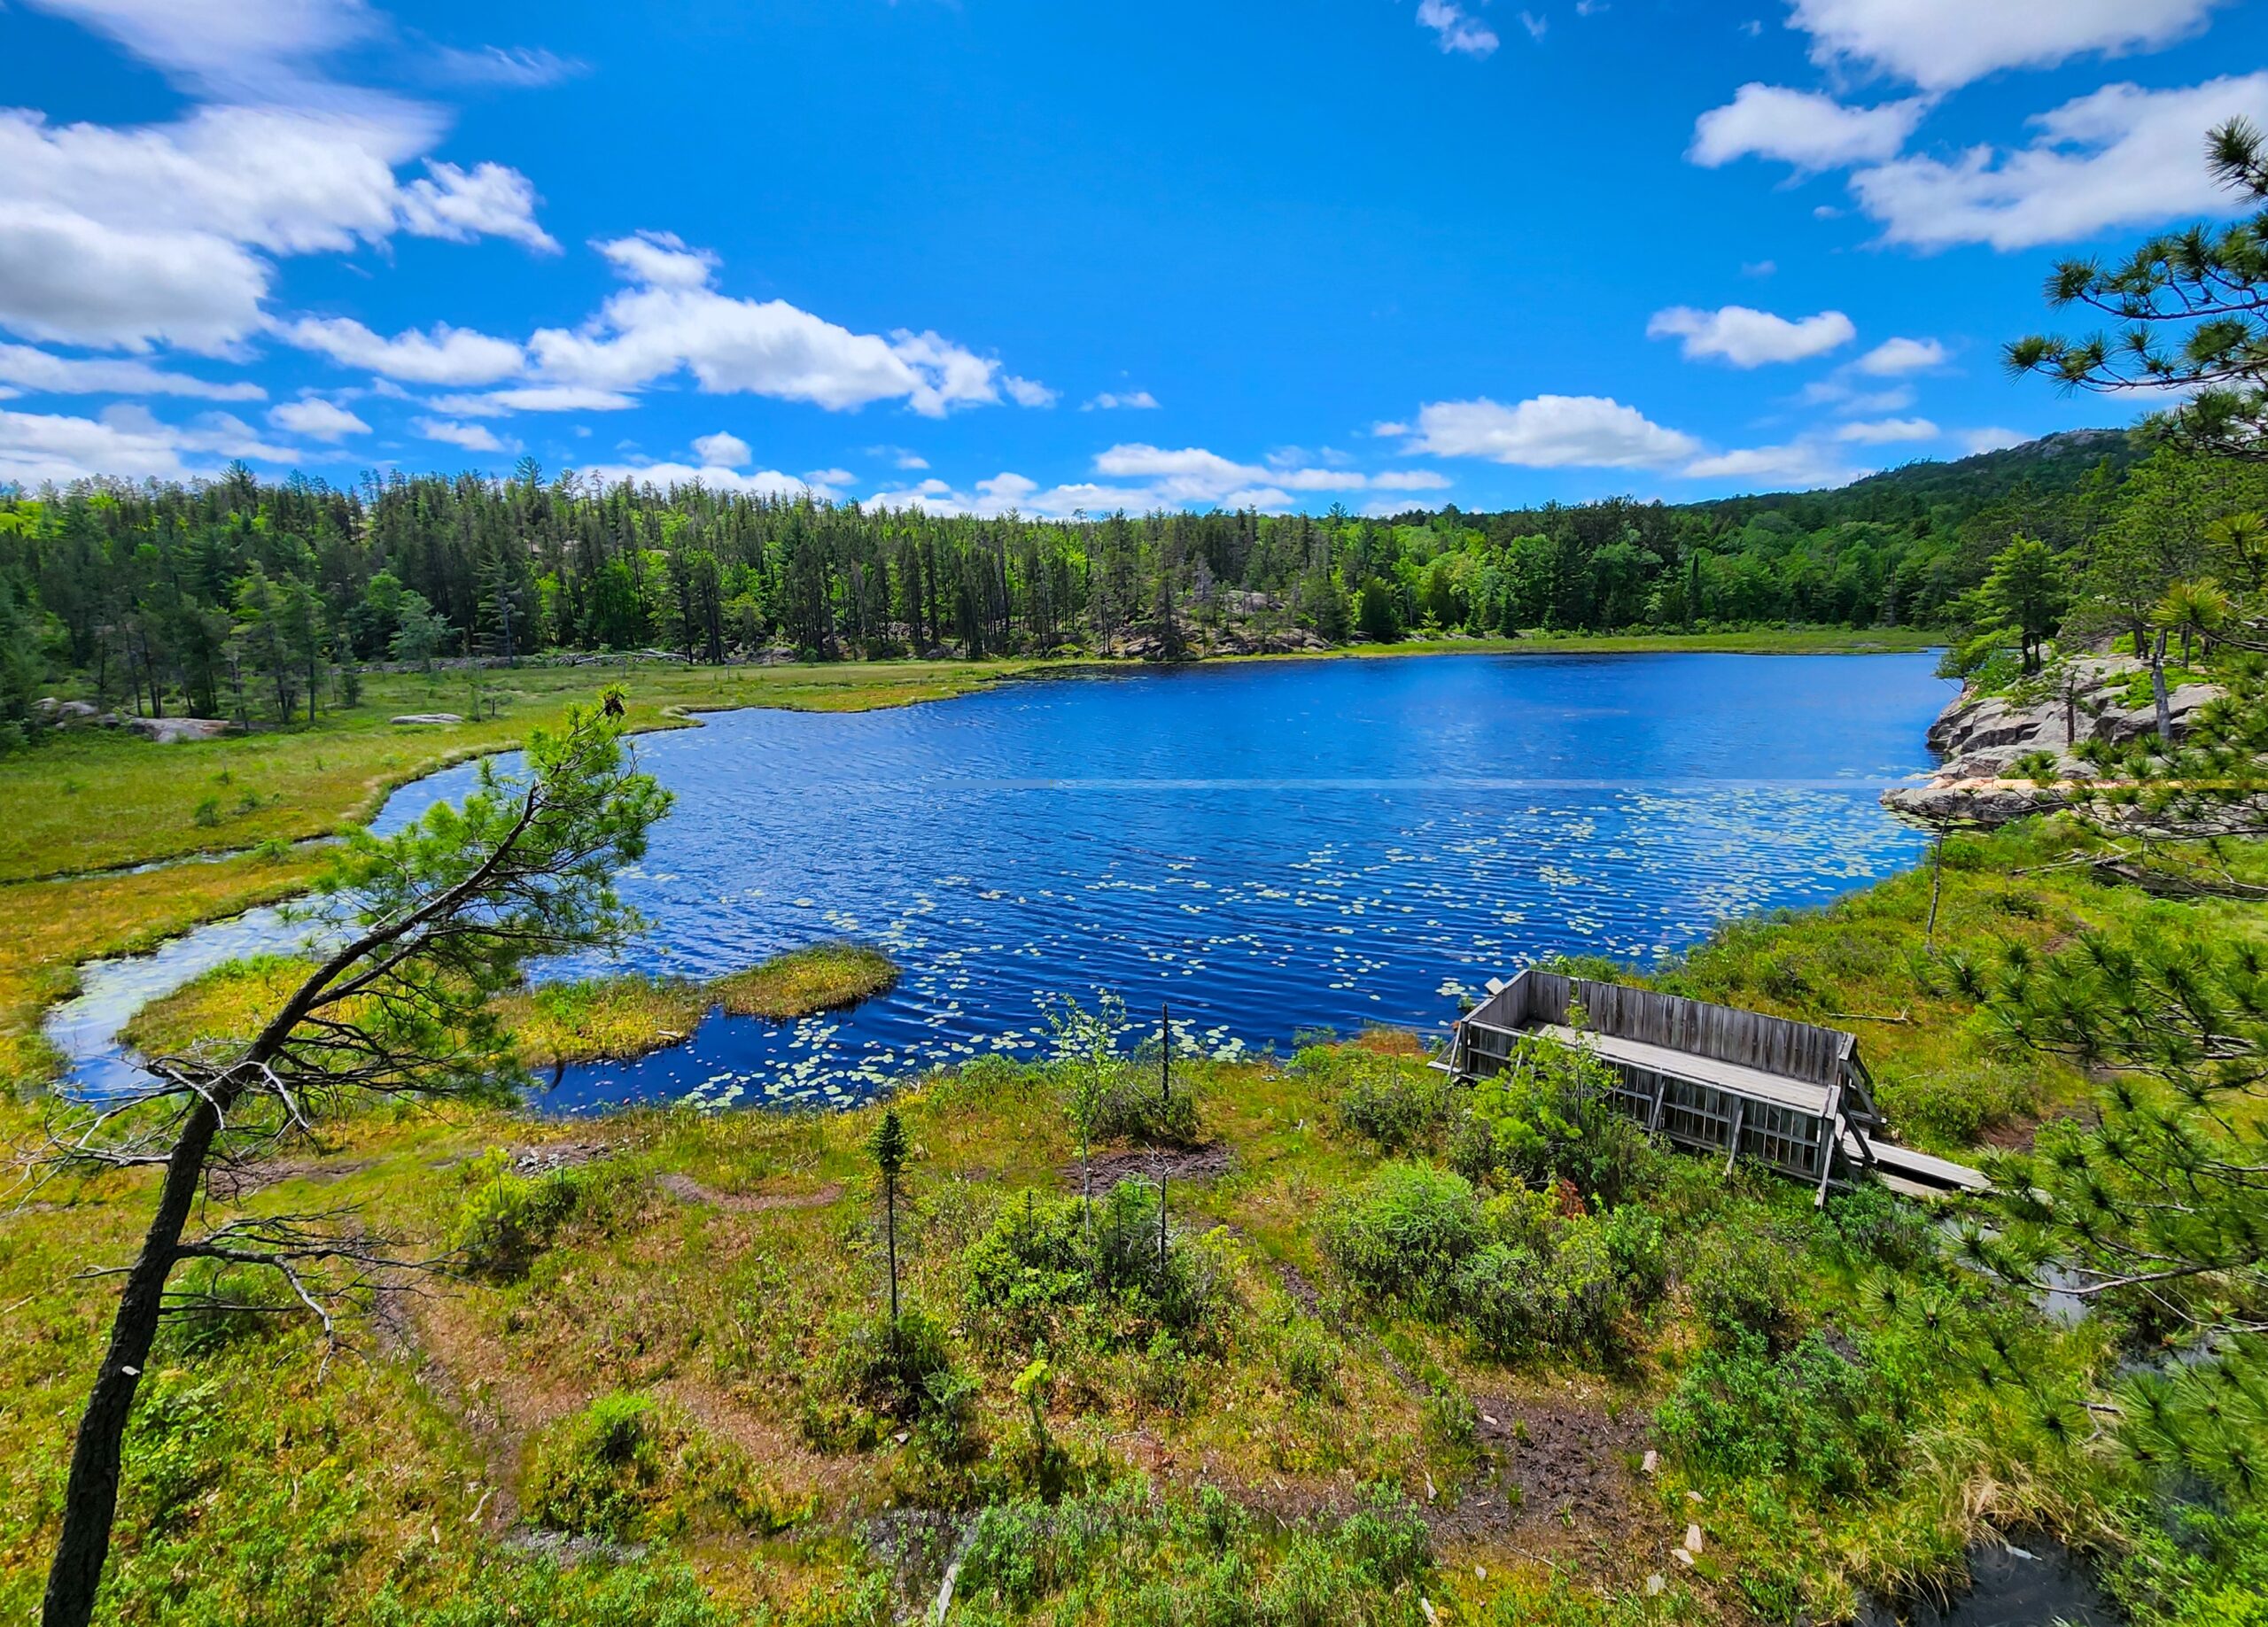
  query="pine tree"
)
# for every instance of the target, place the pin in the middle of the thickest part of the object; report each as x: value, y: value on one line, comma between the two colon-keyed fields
x: 889, y: 1147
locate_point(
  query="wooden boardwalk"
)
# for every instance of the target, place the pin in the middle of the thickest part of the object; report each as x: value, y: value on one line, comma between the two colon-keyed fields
x: 1790, y: 1095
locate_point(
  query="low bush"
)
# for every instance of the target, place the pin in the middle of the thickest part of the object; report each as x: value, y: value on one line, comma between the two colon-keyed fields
x: 1812, y: 1415
x: 1047, y: 1260
x: 629, y: 1468
x: 1548, y: 1118
x: 1395, y: 1102
x: 1136, y: 1109
x: 507, y: 1220
x: 1952, y: 1105
x: 875, y: 1379
x: 1743, y: 1280
x: 1569, y: 1297
x: 1406, y: 1233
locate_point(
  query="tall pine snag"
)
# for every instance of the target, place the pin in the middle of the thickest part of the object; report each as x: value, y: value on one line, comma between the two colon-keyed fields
x: 417, y: 931
x: 889, y: 1147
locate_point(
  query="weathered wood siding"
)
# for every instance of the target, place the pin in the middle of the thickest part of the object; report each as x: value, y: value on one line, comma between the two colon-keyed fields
x: 1746, y: 1039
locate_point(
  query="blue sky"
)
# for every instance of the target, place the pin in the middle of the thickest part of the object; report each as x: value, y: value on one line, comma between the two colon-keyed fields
x: 991, y: 253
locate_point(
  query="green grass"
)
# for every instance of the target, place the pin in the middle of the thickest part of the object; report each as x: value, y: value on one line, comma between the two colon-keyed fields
x: 820, y: 977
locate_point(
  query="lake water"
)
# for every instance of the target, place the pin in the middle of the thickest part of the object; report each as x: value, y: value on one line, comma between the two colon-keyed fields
x: 1272, y: 848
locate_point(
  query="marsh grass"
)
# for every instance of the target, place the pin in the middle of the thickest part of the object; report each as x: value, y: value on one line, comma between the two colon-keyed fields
x: 820, y: 977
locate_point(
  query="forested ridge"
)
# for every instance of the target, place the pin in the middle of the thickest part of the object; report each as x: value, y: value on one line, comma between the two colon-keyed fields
x: 240, y: 598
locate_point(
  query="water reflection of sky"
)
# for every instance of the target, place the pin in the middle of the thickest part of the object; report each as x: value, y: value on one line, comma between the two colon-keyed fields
x: 1270, y: 848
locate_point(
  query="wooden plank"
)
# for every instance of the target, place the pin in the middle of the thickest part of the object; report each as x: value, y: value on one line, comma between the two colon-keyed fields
x: 1732, y: 1155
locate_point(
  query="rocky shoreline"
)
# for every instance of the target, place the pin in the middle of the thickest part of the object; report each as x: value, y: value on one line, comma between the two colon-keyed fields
x: 1980, y: 738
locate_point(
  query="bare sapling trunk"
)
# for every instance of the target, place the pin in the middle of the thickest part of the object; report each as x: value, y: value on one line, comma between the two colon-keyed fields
x: 2158, y: 693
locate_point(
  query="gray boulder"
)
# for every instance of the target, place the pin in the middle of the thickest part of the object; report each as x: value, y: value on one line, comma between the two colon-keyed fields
x: 428, y: 718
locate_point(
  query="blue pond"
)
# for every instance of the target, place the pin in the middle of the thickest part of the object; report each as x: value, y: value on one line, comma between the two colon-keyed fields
x: 1270, y: 848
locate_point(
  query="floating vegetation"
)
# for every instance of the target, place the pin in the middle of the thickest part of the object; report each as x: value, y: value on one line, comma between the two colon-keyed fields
x: 822, y: 977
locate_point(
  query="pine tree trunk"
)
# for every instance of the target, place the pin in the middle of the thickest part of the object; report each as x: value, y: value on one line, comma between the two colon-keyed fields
x: 91, y: 1498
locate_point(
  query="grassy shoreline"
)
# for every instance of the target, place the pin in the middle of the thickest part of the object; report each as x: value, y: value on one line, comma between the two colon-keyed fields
x: 77, y: 813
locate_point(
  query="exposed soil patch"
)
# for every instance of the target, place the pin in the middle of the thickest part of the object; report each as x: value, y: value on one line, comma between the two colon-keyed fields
x: 545, y: 1157
x: 1148, y: 1163
x: 1570, y: 1463
x: 230, y: 1183
x: 686, y: 1189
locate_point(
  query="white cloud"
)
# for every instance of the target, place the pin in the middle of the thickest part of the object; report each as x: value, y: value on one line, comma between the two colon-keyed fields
x: 1975, y: 441
x: 444, y: 356
x: 1551, y: 431
x: 1459, y: 31
x: 1797, y: 464
x: 48, y: 374
x: 1132, y: 401
x: 723, y: 449
x: 246, y: 50
x: 1942, y: 44
x: 129, y: 236
x: 1851, y: 402
x: 672, y: 319
x: 1885, y: 431
x: 1140, y: 479
x: 1893, y: 358
x: 1751, y: 338
x: 126, y: 442
x: 2120, y: 156
x: 1028, y: 392
x: 318, y: 419
x: 471, y: 437
x: 1802, y: 128
x: 521, y: 67
x: 533, y: 398
x: 463, y: 206
x: 659, y: 260
x: 716, y: 476
x: 1536, y: 26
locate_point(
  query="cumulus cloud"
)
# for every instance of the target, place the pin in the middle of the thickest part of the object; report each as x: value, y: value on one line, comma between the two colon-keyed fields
x: 1884, y: 432
x: 2120, y: 156
x: 533, y: 398
x: 671, y: 318
x: 1029, y: 392
x: 446, y: 355
x: 1893, y: 358
x: 1800, y: 464
x: 716, y: 477
x: 723, y: 449
x: 1803, y: 127
x: 167, y: 233
x: 1458, y: 29
x: 318, y: 419
x: 471, y: 437
x: 1975, y: 441
x: 1132, y: 401
x: 1752, y: 338
x: 1551, y: 431
x: 48, y: 374
x: 126, y: 441
x: 1140, y: 479
x: 1942, y: 44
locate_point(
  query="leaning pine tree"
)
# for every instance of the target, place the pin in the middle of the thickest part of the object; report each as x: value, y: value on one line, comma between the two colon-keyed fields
x: 422, y: 928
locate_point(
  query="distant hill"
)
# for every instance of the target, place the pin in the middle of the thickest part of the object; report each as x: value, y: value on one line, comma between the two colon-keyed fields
x: 2049, y: 466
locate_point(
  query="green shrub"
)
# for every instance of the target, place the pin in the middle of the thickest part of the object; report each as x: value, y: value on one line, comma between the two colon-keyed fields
x: 629, y: 1468
x: 1134, y: 1109
x: 1399, y: 1104
x: 875, y: 1379
x: 1812, y: 1415
x: 1047, y: 1259
x: 1549, y: 1117
x: 506, y: 1219
x: 1516, y: 1300
x: 1309, y: 1358
x: 1404, y: 1235
x: 1743, y: 1281
x: 1874, y: 1225
x: 1952, y: 1106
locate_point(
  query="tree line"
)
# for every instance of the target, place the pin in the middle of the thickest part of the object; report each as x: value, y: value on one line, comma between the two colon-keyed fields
x: 239, y: 598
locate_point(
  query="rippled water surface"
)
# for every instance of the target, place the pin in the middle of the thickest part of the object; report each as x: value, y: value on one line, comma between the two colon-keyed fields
x: 1270, y: 848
